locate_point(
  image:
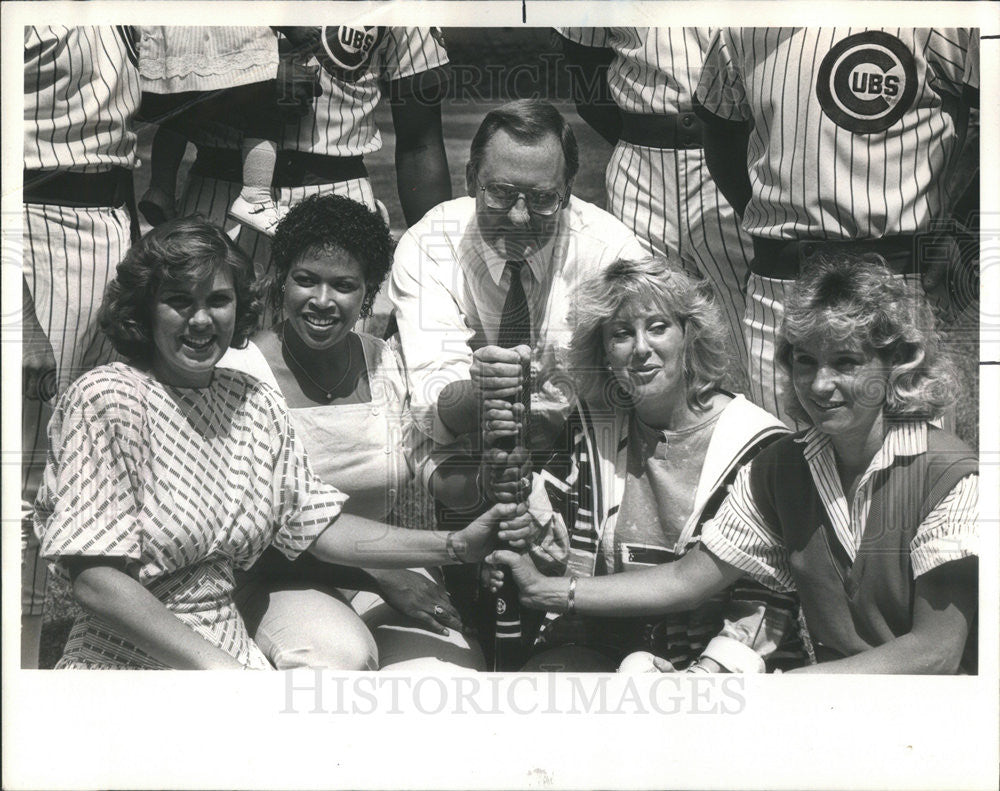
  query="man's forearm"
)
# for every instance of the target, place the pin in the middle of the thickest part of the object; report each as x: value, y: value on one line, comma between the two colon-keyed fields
x: 726, y: 157
x: 422, y: 176
x: 588, y: 70
x: 422, y: 179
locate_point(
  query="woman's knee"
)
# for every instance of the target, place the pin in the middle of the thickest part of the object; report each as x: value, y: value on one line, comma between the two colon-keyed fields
x: 307, y: 627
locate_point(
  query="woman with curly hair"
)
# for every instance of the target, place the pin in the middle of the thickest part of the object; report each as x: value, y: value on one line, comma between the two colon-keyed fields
x: 870, y: 515
x: 656, y: 441
x: 166, y: 474
x: 347, y: 394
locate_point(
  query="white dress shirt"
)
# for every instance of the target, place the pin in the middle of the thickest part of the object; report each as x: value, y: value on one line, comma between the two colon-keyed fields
x: 448, y: 288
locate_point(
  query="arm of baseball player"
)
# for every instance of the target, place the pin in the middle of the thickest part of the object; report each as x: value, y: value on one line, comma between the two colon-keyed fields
x: 944, y: 608
x: 726, y: 156
x: 588, y: 70
x: 304, y: 40
x: 38, y: 362
x: 102, y: 587
x: 422, y: 176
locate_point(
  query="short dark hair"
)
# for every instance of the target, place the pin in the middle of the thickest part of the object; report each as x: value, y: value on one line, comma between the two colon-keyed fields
x: 185, y: 249
x: 529, y: 121
x: 850, y: 297
x: 323, y: 221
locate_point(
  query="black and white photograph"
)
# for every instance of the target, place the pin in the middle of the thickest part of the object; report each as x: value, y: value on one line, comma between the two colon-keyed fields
x: 515, y: 374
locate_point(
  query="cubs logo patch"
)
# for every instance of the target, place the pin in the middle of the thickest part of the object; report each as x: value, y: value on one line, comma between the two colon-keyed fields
x: 349, y: 49
x: 867, y: 82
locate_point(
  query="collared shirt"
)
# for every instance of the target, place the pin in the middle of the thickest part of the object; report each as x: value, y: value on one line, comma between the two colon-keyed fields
x: 448, y: 288
x: 655, y: 69
x: 742, y: 537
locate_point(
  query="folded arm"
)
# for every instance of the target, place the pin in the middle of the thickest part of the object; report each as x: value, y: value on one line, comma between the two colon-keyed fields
x: 944, y: 609
x: 102, y: 587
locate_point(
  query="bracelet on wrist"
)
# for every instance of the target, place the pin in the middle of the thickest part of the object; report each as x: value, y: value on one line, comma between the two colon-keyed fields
x: 571, y: 595
x: 449, y: 545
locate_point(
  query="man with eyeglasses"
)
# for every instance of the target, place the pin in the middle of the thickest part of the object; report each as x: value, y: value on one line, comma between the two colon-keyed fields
x: 518, y: 236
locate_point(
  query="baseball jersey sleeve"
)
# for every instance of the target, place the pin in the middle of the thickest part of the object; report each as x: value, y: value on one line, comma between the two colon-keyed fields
x: 953, y: 58
x: 740, y: 535
x: 721, y: 90
x: 951, y: 529
x: 412, y: 50
x: 586, y: 36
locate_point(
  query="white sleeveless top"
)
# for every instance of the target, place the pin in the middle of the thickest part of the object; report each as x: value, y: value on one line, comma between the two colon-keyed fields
x: 362, y: 449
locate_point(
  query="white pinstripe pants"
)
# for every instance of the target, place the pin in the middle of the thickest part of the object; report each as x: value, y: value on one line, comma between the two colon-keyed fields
x: 69, y: 256
x: 668, y: 198
x: 766, y: 298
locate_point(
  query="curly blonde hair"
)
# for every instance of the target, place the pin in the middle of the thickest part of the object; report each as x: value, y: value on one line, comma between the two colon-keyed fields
x: 856, y: 298
x: 636, y: 286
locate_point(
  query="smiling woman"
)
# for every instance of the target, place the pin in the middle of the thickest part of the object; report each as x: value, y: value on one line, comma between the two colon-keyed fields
x: 870, y: 515
x: 166, y: 474
x: 656, y: 441
x: 347, y: 394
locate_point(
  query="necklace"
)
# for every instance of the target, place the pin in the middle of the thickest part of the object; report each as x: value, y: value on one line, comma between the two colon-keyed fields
x: 327, y: 393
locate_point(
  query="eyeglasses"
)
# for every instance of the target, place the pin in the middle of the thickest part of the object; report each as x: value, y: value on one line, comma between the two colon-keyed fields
x: 503, y: 196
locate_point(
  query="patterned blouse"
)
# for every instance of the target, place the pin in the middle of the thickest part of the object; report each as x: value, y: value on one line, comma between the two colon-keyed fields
x: 185, y: 485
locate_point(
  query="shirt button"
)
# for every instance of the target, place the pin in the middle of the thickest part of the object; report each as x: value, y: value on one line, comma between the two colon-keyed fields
x: 375, y: 410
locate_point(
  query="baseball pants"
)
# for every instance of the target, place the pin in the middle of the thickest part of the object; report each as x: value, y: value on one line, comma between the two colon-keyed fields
x: 667, y: 197
x: 69, y: 256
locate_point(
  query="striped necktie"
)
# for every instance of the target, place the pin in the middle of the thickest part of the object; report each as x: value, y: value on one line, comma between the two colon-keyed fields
x: 515, y: 321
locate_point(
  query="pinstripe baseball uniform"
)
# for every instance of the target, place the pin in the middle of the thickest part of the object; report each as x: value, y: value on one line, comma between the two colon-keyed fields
x: 342, y: 124
x: 81, y: 89
x: 854, y: 134
x: 666, y: 195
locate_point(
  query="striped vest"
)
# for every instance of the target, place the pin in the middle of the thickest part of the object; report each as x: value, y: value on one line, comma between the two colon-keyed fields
x: 851, y: 607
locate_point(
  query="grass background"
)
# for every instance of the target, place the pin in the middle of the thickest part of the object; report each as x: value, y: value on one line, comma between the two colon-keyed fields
x: 530, y: 67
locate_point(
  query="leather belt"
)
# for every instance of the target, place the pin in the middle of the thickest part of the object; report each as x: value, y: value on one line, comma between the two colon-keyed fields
x: 293, y: 168
x: 784, y: 259
x: 661, y: 131
x: 109, y: 188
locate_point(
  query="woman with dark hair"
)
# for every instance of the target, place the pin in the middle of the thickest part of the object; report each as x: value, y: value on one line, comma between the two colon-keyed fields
x: 347, y: 396
x: 870, y: 515
x: 165, y: 474
x: 656, y: 441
